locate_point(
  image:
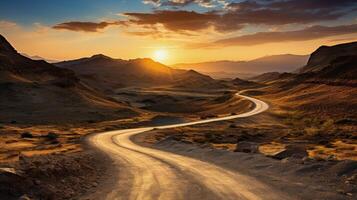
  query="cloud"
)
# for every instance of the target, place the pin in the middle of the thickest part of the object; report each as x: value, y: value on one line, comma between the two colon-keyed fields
x: 281, y: 12
x: 152, y: 2
x: 235, y: 16
x: 311, y: 33
x: 229, y: 17
x: 85, y: 26
x: 183, y: 3
x: 7, y: 24
x: 174, y: 20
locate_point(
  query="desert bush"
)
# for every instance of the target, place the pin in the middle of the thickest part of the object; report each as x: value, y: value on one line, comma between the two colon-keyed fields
x: 52, y: 136
x: 312, y: 130
x: 26, y: 135
x: 346, y: 121
x: 328, y: 125
x: 199, y: 139
x: 232, y: 126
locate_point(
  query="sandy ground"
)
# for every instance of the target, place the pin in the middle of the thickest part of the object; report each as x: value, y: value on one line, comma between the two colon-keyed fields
x: 183, y: 102
x: 303, y: 180
x: 152, y: 174
x: 57, y: 147
x: 55, y: 176
x: 214, y: 143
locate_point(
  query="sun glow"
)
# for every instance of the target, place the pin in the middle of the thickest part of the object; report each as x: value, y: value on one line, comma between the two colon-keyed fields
x: 160, y: 55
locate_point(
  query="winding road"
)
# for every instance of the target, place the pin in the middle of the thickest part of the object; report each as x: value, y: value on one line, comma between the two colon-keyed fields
x: 147, y: 173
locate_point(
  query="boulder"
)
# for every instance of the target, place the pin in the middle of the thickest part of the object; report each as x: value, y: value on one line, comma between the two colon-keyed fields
x: 11, y: 184
x: 24, y: 197
x: 247, y: 147
x: 292, y: 151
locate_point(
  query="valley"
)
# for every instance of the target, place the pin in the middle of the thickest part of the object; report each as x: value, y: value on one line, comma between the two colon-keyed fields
x: 115, y: 118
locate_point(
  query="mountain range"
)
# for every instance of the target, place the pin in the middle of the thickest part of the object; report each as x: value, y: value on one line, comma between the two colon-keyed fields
x: 33, y: 91
x: 107, y: 74
x: 246, y: 69
x: 39, y: 58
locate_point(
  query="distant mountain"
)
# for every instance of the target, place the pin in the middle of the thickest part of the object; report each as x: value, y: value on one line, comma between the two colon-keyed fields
x: 39, y: 58
x: 231, y: 69
x: 266, y: 77
x: 245, y: 84
x: 108, y: 74
x: 34, y: 91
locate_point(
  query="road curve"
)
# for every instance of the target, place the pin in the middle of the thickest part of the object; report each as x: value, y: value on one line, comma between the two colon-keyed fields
x: 147, y: 173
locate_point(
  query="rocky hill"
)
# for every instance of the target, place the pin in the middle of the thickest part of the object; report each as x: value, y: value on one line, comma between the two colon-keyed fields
x: 108, y: 74
x: 326, y: 85
x: 34, y: 91
x: 325, y: 56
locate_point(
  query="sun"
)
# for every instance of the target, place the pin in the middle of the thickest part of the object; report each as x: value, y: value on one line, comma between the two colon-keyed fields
x: 160, y: 55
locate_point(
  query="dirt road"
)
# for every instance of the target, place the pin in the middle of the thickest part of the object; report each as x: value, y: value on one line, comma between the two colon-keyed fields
x: 147, y: 173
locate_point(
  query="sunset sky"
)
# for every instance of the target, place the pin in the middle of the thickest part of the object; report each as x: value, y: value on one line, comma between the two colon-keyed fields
x: 175, y: 31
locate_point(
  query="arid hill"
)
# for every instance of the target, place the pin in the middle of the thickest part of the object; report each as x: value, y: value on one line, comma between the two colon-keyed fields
x: 245, y: 69
x: 245, y: 84
x: 326, y: 56
x: 34, y: 91
x: 326, y: 85
x: 39, y: 58
x: 108, y: 74
x: 334, y: 65
x: 266, y: 77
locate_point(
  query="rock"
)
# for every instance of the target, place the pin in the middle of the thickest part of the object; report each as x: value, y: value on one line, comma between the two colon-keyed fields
x: 331, y: 158
x: 37, y: 182
x: 247, y: 147
x: 292, y: 151
x: 344, y: 168
x: 24, y: 197
x: 11, y: 184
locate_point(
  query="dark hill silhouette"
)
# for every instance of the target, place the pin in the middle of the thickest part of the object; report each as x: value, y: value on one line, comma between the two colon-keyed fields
x: 33, y: 91
x: 326, y: 56
x: 326, y: 85
x: 108, y: 74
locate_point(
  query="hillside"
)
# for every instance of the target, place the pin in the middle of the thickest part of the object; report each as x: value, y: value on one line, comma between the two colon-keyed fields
x: 335, y: 65
x: 108, y: 74
x: 244, y: 69
x: 40, y: 58
x: 325, y: 56
x: 38, y: 92
x: 325, y: 85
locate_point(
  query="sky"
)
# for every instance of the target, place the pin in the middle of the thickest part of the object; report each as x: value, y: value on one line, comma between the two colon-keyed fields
x: 176, y: 31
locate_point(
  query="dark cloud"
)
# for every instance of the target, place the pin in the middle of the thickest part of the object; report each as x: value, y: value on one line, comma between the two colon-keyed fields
x: 312, y: 4
x: 311, y: 33
x: 182, y: 3
x: 85, y: 26
x: 280, y: 12
x: 233, y: 17
x: 250, y: 12
x: 174, y: 20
